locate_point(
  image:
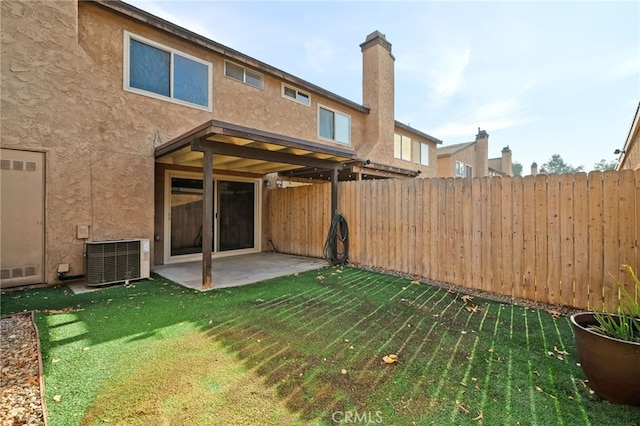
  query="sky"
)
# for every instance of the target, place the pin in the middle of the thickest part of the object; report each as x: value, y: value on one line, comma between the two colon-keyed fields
x: 541, y: 77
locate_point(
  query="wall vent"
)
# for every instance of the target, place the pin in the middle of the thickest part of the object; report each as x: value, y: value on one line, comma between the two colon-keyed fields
x: 114, y: 261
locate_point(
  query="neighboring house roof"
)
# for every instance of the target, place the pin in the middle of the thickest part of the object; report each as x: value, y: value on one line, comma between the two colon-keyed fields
x: 173, y: 29
x: 416, y: 131
x: 453, y: 149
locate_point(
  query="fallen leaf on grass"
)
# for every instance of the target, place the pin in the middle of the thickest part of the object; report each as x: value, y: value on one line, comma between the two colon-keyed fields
x: 554, y: 314
x: 478, y: 417
x: 320, y: 278
x: 539, y: 389
x: 462, y: 407
x: 57, y: 398
x: 466, y: 298
x: 415, y: 282
x: 343, y: 371
x: 560, y: 352
x: 473, y: 308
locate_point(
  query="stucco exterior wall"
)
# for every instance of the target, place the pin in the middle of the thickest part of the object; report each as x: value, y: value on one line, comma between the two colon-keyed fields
x: 102, y: 35
x: 447, y: 164
x: 98, y: 147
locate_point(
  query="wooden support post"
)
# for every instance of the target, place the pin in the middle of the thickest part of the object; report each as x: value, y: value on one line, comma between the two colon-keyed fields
x: 334, y: 192
x: 207, y: 218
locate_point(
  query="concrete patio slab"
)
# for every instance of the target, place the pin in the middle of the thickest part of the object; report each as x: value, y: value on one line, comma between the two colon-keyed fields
x: 240, y: 270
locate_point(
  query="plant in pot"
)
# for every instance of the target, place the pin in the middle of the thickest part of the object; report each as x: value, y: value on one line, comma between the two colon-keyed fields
x: 608, y: 347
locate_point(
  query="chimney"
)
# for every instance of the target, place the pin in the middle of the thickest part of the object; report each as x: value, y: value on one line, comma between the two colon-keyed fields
x: 534, y: 168
x: 506, y: 164
x: 482, y: 154
x: 378, y: 96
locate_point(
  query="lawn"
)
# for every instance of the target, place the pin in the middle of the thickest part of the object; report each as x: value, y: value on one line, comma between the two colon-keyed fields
x: 307, y: 349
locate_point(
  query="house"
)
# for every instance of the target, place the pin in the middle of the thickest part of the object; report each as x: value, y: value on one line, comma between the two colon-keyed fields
x: 630, y: 154
x: 117, y: 124
x: 471, y: 159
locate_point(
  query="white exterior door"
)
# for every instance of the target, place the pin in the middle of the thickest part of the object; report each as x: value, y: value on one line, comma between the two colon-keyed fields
x: 21, y: 217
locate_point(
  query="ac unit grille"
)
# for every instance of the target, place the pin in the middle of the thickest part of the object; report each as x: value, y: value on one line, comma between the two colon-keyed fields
x: 113, y: 261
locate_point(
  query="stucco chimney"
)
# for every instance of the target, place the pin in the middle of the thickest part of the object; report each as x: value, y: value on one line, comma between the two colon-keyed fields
x: 506, y: 161
x: 534, y: 168
x: 482, y: 154
x: 378, y: 95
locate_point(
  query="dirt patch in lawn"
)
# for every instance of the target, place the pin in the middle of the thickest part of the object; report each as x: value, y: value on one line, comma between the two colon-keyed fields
x: 187, y: 381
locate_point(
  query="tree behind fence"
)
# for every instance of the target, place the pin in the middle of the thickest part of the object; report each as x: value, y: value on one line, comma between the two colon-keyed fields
x: 558, y: 239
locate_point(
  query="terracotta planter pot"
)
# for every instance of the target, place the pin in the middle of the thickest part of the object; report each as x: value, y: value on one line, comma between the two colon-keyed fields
x: 611, y: 365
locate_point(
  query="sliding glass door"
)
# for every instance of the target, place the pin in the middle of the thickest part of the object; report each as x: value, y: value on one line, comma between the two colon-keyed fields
x: 236, y: 215
x: 235, y: 218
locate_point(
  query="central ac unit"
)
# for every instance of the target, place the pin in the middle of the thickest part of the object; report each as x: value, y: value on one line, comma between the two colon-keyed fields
x: 114, y: 261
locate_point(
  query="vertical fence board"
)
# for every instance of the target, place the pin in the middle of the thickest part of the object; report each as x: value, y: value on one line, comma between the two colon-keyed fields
x: 494, y: 282
x: 507, y: 235
x: 611, y: 238
x: 596, y: 275
x: 541, y: 250
x: 485, y: 242
x: 457, y: 266
x: 358, y: 224
x: 465, y: 241
x: 626, y: 215
x: 553, y: 239
x: 567, y: 220
x: 517, y: 235
x: 411, y: 204
x: 476, y: 233
x: 419, y: 237
x: 581, y: 240
x: 427, y: 211
x: 528, y: 286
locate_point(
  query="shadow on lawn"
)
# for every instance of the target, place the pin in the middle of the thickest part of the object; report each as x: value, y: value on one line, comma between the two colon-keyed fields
x: 458, y: 359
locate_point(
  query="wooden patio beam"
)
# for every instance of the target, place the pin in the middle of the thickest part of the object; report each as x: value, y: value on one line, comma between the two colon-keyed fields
x: 222, y: 148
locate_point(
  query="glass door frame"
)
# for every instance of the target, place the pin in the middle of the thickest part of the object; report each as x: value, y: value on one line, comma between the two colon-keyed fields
x: 257, y: 235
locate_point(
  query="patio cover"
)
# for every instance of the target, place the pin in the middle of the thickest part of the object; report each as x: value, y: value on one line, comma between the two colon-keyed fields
x: 225, y: 146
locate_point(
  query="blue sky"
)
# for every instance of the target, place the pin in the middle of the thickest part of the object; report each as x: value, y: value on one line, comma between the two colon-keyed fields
x: 542, y: 77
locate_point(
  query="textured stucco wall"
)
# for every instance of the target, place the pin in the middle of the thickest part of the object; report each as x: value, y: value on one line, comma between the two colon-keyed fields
x: 99, y: 155
x: 447, y: 164
x: 101, y: 34
x: 378, y: 93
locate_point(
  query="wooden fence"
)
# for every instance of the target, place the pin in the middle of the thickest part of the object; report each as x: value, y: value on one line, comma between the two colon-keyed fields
x: 558, y: 239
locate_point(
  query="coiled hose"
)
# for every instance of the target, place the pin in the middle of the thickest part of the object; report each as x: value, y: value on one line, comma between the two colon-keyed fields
x: 336, y: 248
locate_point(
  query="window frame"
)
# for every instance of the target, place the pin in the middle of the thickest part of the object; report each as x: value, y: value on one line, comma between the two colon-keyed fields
x: 126, y: 72
x: 335, y: 113
x: 244, y: 75
x: 298, y: 93
x: 399, y: 149
x: 459, y: 169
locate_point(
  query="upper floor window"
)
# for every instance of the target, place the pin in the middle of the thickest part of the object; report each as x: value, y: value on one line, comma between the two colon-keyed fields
x: 334, y: 125
x: 405, y: 148
x: 463, y: 170
x: 402, y: 147
x: 296, y: 95
x: 420, y: 153
x: 243, y: 74
x: 161, y: 72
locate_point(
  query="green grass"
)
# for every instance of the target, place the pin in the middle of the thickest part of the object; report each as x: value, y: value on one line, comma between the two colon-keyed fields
x: 273, y: 353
